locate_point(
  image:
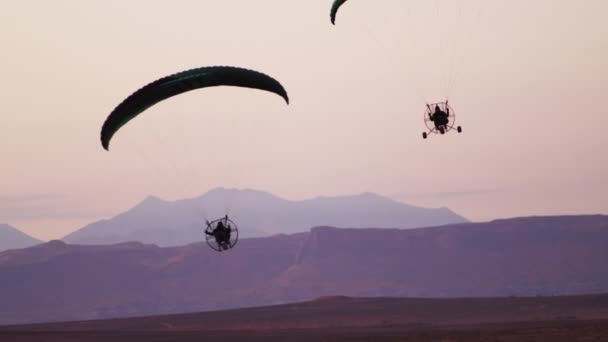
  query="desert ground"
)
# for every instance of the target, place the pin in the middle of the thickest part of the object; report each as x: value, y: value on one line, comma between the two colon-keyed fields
x: 567, y: 318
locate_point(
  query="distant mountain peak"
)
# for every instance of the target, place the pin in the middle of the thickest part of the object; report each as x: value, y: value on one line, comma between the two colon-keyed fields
x: 219, y: 189
x: 153, y: 199
x: 236, y: 191
x: 13, y: 238
x: 150, y: 202
x: 369, y: 194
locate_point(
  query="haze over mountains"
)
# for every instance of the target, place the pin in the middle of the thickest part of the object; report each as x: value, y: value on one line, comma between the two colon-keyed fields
x: 257, y: 213
x: 514, y: 257
x: 11, y: 237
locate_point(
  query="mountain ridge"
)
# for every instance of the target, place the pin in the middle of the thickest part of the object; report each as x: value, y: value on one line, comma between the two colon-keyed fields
x: 258, y: 213
x: 517, y: 257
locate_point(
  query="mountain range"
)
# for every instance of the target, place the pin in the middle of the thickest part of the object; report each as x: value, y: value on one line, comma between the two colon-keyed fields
x: 561, y: 255
x: 257, y: 213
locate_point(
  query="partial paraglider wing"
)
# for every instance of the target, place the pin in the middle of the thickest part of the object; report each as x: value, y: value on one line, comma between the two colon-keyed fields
x: 182, y: 82
x: 334, y: 10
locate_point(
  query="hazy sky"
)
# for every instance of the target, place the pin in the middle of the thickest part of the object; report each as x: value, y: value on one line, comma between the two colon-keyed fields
x: 527, y: 78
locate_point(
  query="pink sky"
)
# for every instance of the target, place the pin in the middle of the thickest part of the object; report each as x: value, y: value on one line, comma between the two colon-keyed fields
x: 527, y: 80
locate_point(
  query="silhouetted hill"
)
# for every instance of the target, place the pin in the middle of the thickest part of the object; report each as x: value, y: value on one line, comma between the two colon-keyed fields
x: 258, y: 214
x: 515, y: 257
x: 11, y: 238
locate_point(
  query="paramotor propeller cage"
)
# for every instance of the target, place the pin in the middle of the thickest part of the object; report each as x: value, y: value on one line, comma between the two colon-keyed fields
x: 430, y: 124
x: 430, y: 108
x: 211, y: 237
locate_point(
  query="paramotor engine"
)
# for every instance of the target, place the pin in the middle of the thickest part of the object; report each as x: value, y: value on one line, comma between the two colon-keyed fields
x: 439, y: 118
x: 221, y: 234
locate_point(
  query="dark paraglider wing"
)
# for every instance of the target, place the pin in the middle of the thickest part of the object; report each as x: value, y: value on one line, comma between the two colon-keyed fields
x: 334, y: 10
x: 182, y: 82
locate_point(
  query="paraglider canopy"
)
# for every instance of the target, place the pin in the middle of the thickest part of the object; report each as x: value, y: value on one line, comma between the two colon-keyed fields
x: 334, y: 10
x: 182, y: 82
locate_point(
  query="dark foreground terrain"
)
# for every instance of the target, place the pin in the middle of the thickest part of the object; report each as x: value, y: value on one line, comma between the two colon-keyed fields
x: 568, y: 318
x: 538, y: 331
